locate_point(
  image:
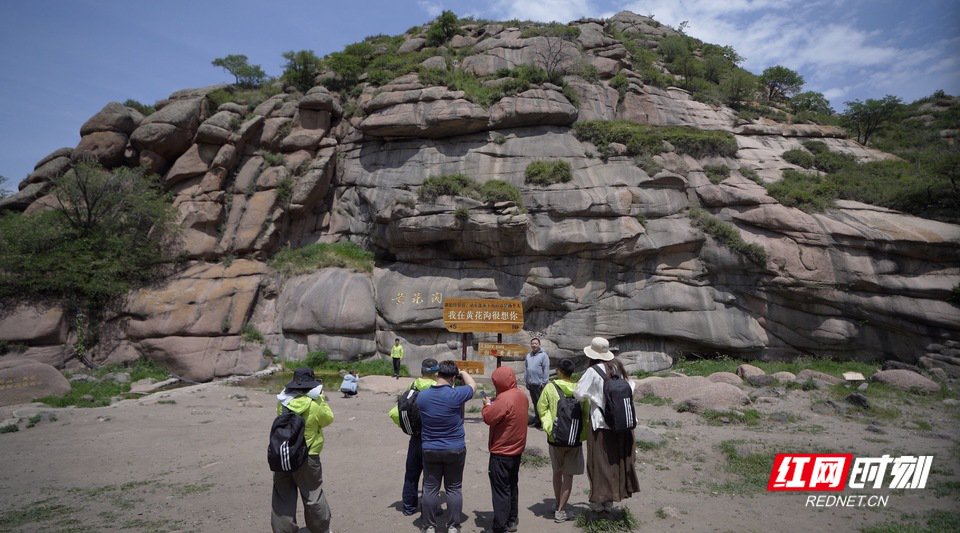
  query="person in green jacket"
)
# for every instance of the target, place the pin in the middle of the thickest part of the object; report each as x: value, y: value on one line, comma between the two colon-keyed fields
x: 414, y: 466
x: 396, y: 354
x: 304, y: 396
x: 566, y: 461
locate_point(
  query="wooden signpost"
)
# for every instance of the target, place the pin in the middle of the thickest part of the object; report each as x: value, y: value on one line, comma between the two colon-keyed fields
x: 482, y: 315
x: 476, y: 315
x: 499, y: 349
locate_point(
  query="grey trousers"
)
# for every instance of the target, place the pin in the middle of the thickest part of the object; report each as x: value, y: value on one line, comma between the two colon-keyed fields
x: 308, y: 482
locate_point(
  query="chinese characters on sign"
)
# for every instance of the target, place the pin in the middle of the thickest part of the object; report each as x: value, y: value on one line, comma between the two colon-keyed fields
x: 473, y: 315
x: 497, y: 349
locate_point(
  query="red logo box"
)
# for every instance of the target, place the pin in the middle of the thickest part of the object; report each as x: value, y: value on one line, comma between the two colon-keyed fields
x: 810, y: 472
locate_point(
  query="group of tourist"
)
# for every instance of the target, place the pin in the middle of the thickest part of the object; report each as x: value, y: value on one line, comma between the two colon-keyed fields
x: 437, y: 445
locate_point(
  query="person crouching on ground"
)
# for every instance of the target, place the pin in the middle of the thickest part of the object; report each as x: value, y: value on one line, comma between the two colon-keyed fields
x: 566, y: 460
x: 349, y: 385
x: 444, y: 444
x: 610, y: 454
x: 414, y: 465
x: 304, y: 396
x: 507, y: 418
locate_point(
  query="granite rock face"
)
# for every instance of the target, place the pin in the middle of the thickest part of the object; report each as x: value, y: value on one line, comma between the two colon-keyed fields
x: 612, y: 252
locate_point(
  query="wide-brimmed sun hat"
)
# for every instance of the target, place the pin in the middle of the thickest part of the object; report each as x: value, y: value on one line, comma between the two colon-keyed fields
x: 303, y: 379
x: 599, y: 349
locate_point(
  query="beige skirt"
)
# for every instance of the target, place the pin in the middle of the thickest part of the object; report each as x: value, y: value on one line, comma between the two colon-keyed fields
x: 610, y: 467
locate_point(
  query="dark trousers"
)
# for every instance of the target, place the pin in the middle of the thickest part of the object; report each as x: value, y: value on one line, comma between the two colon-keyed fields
x: 445, y: 466
x: 535, y: 391
x: 396, y: 366
x: 411, y: 477
x: 504, y: 471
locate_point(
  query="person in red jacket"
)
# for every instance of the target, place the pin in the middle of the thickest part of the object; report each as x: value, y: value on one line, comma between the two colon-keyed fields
x: 507, y: 417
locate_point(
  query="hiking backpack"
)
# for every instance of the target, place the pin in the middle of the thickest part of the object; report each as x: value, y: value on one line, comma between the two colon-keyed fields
x: 409, y: 412
x: 287, y: 450
x: 617, y: 401
x: 569, y: 420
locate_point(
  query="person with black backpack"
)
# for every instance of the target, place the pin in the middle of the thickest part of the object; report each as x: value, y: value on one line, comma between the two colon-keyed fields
x: 564, y: 420
x: 406, y: 416
x: 302, y: 397
x: 610, y: 444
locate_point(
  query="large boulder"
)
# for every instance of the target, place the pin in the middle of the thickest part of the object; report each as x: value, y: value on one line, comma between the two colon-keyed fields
x: 33, y: 324
x: 24, y: 380
x: 906, y: 380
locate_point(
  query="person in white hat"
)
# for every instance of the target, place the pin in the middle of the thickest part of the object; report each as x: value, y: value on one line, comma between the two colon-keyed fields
x: 610, y: 454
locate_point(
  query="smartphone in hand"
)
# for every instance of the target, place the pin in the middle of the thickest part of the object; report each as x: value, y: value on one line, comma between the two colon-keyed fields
x: 483, y: 395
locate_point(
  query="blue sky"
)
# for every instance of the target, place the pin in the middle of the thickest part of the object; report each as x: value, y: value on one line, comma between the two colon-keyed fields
x: 61, y: 61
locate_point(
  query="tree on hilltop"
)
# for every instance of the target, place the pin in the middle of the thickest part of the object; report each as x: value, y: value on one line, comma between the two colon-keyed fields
x: 866, y: 118
x: 811, y: 102
x: 245, y: 74
x: 780, y: 82
x: 301, y: 68
x: 443, y: 28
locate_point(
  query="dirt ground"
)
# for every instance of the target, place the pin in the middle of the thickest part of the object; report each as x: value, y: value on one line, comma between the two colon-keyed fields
x: 193, y: 459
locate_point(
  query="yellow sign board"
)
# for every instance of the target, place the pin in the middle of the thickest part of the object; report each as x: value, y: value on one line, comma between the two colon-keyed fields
x: 478, y: 315
x: 471, y: 367
x: 497, y: 349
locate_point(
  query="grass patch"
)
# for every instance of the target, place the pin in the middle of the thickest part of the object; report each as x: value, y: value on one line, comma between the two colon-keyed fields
x: 272, y: 159
x: 692, y: 365
x: 465, y: 186
x: 716, y: 173
x: 249, y: 333
x: 37, y: 512
x: 313, y: 257
x: 101, y: 392
x: 728, y: 235
x: 642, y: 139
x: 752, y: 470
x: 10, y: 428
x: 620, y: 520
x: 545, y: 173
x: 534, y: 457
x: 936, y: 522
x: 749, y: 417
x: 653, y: 399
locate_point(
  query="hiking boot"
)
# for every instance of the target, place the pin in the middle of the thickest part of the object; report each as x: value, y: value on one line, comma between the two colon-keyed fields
x: 560, y: 516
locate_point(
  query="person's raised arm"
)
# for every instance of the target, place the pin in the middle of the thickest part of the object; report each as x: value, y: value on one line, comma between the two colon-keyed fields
x: 468, y: 380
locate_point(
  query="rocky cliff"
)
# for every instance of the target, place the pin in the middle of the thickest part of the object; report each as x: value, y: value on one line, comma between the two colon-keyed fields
x: 616, y: 251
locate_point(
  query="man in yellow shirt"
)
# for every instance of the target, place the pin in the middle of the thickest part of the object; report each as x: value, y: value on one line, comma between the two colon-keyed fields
x: 396, y: 353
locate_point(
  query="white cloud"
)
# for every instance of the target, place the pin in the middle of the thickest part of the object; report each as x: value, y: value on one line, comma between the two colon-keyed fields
x: 543, y: 10
x: 432, y: 7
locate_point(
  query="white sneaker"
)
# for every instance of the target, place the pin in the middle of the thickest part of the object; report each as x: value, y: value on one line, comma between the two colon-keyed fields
x: 560, y: 516
x: 430, y: 529
x: 452, y: 529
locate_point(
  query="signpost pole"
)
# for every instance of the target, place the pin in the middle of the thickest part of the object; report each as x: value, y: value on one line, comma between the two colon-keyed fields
x: 463, y: 344
x: 499, y: 340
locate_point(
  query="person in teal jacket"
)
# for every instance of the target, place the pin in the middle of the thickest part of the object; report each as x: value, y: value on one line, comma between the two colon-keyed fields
x: 414, y: 466
x: 566, y: 461
x: 304, y: 396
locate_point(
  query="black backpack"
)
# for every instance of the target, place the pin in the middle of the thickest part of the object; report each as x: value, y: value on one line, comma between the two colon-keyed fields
x: 287, y: 450
x: 409, y: 412
x: 617, y: 401
x: 569, y: 420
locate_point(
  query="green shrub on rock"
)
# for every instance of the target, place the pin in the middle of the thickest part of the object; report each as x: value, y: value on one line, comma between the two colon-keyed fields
x: 643, y: 139
x: 798, y: 157
x: 547, y: 173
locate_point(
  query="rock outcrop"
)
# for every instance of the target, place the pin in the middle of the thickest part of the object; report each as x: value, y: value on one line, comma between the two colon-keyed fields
x: 611, y: 252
